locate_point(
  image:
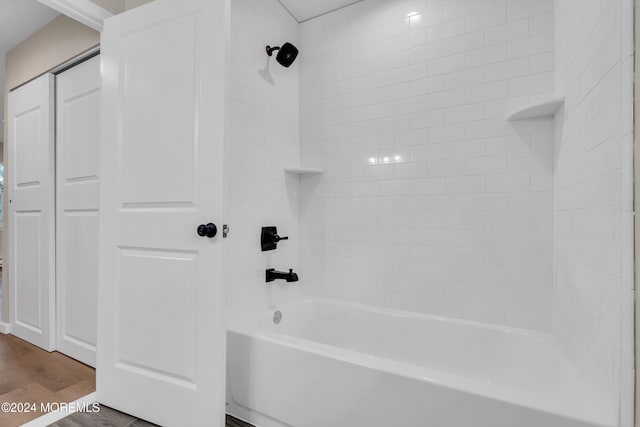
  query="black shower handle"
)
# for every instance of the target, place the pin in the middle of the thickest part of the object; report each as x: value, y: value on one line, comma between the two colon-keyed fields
x: 277, y: 238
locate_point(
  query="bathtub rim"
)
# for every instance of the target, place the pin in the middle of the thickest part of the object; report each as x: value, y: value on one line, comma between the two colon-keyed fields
x: 237, y: 320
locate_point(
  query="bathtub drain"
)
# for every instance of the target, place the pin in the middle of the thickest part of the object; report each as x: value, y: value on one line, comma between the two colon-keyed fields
x: 277, y: 317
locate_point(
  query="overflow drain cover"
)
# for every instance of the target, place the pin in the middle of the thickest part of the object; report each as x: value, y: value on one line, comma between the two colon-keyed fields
x: 277, y: 317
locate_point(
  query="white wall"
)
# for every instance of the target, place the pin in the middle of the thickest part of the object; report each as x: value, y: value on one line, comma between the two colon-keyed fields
x: 430, y: 200
x: 263, y: 138
x: 593, y: 194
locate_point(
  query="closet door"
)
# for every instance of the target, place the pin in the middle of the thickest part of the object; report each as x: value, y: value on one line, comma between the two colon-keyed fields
x: 77, y: 164
x: 31, y: 237
x: 161, y: 317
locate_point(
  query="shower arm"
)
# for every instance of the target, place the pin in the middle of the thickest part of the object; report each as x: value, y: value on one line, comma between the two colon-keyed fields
x: 270, y: 49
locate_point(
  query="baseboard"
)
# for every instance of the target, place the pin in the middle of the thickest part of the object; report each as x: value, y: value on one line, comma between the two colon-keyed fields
x: 5, y: 328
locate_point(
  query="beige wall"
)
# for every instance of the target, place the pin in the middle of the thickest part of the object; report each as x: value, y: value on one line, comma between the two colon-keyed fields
x: 113, y: 6
x: 57, y: 42
x: 130, y: 4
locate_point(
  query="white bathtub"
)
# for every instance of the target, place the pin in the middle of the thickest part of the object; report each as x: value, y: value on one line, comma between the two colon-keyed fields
x: 333, y: 364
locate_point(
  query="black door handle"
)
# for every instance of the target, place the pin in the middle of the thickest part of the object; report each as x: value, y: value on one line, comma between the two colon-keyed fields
x: 210, y: 230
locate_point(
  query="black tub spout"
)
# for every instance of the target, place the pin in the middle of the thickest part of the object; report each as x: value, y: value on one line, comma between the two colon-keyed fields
x: 272, y: 274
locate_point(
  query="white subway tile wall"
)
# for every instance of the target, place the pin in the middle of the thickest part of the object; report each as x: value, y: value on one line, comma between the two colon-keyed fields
x: 430, y: 200
x: 262, y: 141
x: 593, y: 195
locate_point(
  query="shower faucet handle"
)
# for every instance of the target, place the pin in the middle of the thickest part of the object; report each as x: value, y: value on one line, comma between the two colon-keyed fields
x: 269, y: 238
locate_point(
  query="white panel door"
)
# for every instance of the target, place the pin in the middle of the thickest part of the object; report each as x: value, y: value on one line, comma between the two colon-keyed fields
x: 31, y: 237
x: 77, y: 165
x: 161, y: 322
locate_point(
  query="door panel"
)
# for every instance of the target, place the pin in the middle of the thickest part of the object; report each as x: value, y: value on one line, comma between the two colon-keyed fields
x: 28, y: 296
x: 31, y: 212
x: 27, y: 130
x: 161, y: 312
x: 143, y: 138
x: 77, y: 161
x: 77, y: 307
x: 161, y: 270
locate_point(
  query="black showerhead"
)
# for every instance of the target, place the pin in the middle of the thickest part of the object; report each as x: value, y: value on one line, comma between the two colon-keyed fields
x: 287, y: 53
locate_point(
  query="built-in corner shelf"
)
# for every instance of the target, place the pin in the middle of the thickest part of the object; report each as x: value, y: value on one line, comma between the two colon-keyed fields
x: 303, y: 171
x: 541, y: 110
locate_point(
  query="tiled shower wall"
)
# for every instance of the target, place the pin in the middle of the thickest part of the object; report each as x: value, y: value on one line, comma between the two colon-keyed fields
x: 593, y: 192
x: 430, y: 200
x: 262, y: 140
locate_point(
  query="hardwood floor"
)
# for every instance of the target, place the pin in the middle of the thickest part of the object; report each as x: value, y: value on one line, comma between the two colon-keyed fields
x: 108, y: 417
x: 31, y: 375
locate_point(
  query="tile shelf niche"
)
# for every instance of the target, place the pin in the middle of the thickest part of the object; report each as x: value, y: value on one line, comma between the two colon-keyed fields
x: 542, y: 110
x: 303, y: 171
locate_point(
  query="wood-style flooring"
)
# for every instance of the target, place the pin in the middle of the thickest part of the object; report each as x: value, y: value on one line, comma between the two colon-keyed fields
x: 30, y: 374
x: 108, y: 417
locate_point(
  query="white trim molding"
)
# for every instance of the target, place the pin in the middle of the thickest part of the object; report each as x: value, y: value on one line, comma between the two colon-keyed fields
x: 5, y: 328
x: 84, y: 11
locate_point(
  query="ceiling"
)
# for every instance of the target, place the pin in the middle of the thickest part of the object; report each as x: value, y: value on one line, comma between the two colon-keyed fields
x: 18, y: 20
x: 303, y: 10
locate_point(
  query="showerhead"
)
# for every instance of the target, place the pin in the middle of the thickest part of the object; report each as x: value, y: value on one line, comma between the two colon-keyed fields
x: 287, y: 53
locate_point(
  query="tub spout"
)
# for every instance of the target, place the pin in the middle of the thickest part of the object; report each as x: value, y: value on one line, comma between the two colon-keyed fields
x: 273, y: 274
